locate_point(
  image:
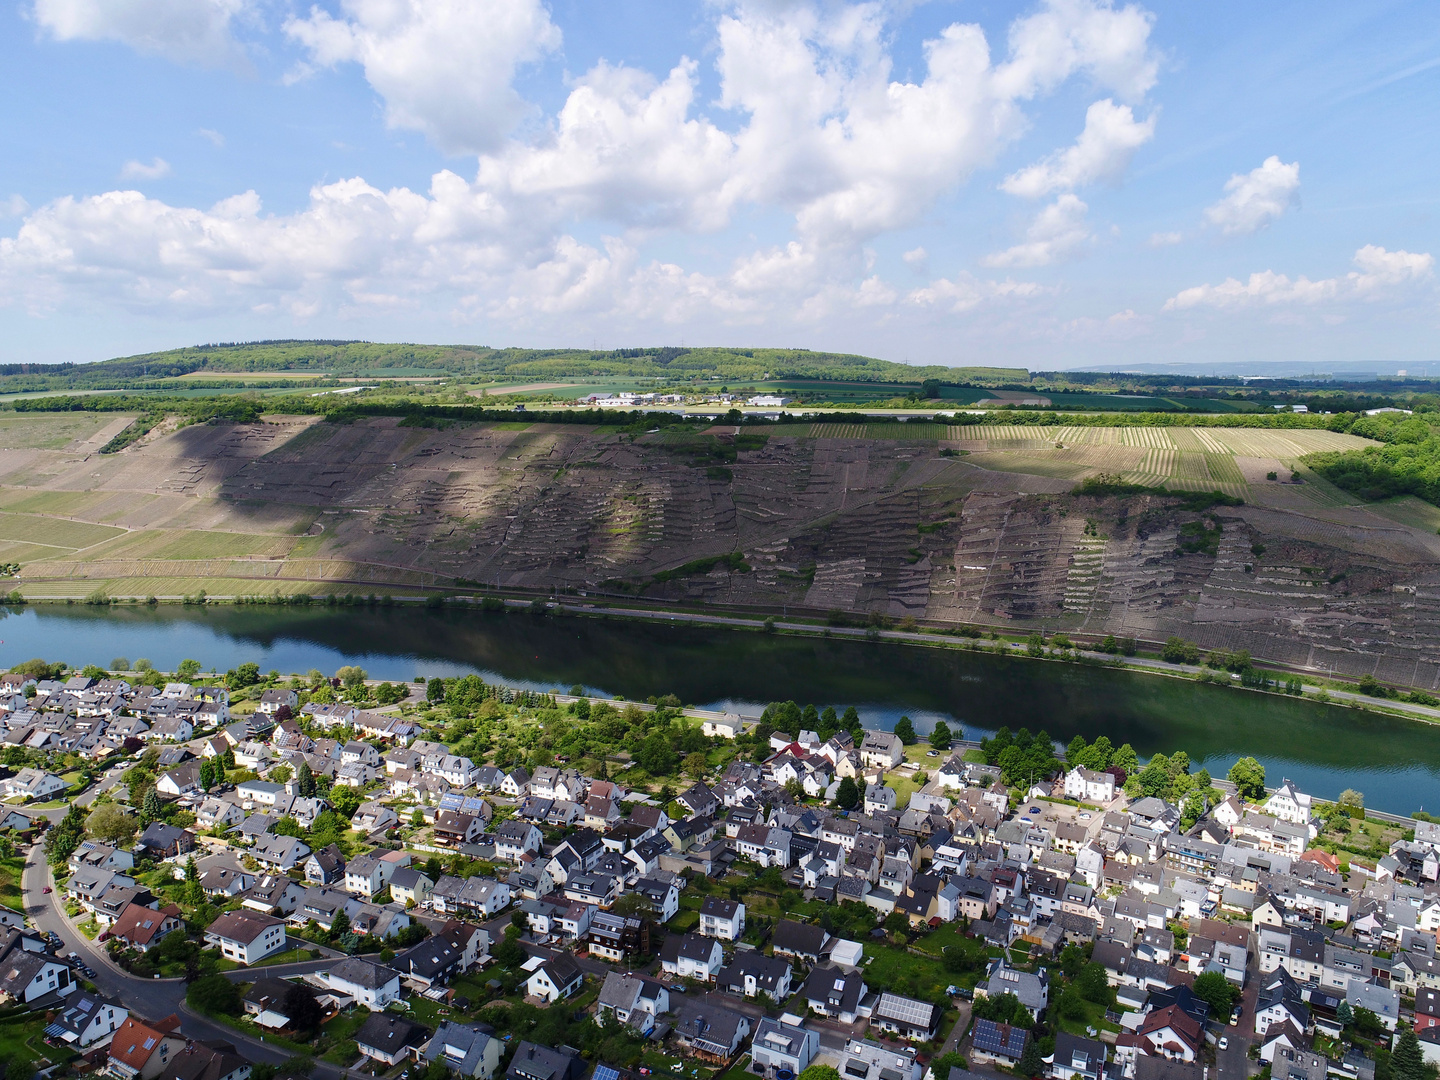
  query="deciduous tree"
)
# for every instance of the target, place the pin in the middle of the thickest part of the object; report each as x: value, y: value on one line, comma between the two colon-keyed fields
x: 110, y: 824
x: 1248, y: 776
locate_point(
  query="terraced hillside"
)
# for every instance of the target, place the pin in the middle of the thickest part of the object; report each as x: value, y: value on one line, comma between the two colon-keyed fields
x: 949, y: 524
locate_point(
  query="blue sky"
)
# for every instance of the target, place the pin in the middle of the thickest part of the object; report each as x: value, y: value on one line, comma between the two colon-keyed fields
x: 1046, y: 184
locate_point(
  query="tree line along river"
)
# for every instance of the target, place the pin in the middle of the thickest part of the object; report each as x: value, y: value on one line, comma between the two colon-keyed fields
x: 1324, y: 748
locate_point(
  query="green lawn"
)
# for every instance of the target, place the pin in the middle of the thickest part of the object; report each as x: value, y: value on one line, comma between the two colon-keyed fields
x: 684, y: 921
x: 473, y: 987
x: 663, y: 1065
x: 11, y: 871
x: 22, y: 1044
x: 289, y: 956
x: 1094, y: 1017
x: 337, y: 1036
x: 424, y: 1011
x: 905, y: 973
x: 739, y: 1071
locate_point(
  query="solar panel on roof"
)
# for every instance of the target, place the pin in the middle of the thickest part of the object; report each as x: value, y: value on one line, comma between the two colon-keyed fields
x: 906, y: 1009
x: 606, y: 1072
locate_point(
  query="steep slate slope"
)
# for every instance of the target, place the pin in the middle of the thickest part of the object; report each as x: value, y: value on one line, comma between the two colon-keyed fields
x: 864, y: 525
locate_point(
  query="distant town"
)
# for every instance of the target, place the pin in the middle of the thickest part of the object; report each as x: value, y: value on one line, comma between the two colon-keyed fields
x: 244, y: 876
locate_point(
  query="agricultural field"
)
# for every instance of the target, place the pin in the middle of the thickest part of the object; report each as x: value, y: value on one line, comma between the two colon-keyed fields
x: 53, y: 431
x: 53, y: 532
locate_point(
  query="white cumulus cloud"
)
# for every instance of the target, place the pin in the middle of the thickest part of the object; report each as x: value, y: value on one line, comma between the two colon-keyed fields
x: 1380, y: 272
x: 187, y: 31
x: 810, y: 121
x: 138, y: 170
x: 444, y: 67
x: 1058, y: 231
x: 1254, y: 199
x: 1066, y: 36
x: 1102, y: 152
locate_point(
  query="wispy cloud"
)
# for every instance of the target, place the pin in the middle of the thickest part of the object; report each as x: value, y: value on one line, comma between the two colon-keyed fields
x: 138, y: 170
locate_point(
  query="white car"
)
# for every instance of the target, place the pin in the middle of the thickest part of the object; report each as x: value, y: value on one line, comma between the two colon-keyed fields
x: 1224, y: 1043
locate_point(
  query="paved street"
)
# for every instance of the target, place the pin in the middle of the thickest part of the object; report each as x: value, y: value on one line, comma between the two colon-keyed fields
x: 152, y: 999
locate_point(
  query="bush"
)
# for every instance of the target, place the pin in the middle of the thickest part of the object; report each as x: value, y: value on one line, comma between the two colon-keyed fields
x: 1179, y: 651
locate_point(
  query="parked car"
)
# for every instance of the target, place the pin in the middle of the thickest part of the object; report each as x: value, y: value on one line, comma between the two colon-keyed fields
x: 47, y: 889
x: 1224, y: 1043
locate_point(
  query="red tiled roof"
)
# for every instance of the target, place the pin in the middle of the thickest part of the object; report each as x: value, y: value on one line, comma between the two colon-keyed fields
x: 140, y: 924
x: 135, y: 1041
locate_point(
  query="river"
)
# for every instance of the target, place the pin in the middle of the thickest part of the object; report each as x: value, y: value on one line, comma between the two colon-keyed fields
x: 1323, y: 748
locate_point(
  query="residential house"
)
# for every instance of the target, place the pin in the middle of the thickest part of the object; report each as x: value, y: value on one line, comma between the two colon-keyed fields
x: 515, y: 839
x: 752, y: 973
x: 184, y: 779
x: 723, y: 919
x: 140, y: 1051
x: 246, y: 937
x: 411, y: 886
x: 906, y: 1017
x: 882, y: 750
x: 615, y: 937
x: 555, y: 980
x: 835, y: 993
x: 273, y: 894
x: 388, y: 1038
x: 87, y: 1020
x: 783, y: 1043
x: 867, y: 1060
x: 280, y: 853
x: 1031, y: 988
x: 727, y: 727
x: 453, y: 950
x: 373, y: 817
x: 271, y: 701
x: 477, y: 896
x: 1171, y: 1033
x: 632, y: 999
x: 1087, y: 785
x: 1077, y: 1058
x: 691, y: 956
x: 710, y: 1032
x: 464, y: 1049
x: 141, y: 927
x: 371, y: 985
x: 29, y: 784
x: 663, y: 894
x: 532, y: 1062
x: 325, y: 867
x: 804, y: 941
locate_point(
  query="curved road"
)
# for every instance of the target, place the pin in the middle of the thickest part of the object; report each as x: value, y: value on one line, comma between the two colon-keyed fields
x: 154, y: 999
